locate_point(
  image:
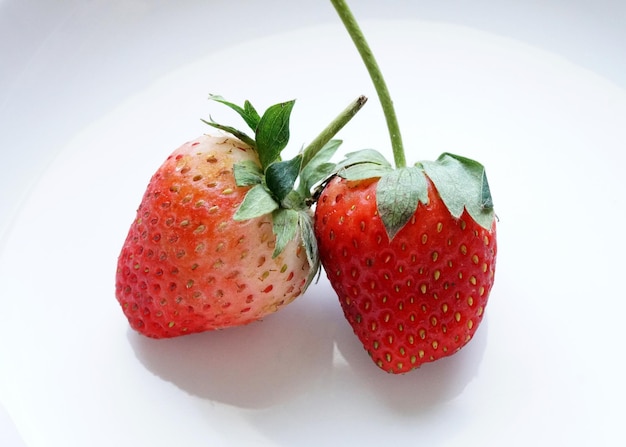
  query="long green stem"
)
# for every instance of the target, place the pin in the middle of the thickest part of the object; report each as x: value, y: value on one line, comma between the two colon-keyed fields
x: 329, y: 132
x: 377, y: 78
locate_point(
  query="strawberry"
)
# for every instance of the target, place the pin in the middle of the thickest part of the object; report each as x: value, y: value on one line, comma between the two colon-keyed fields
x: 410, y: 250
x: 222, y: 236
x: 411, y: 297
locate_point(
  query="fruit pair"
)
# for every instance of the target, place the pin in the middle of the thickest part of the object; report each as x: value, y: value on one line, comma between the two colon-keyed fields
x: 225, y: 235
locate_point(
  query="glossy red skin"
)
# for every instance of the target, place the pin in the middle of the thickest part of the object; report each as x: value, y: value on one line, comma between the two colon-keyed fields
x: 186, y: 265
x: 416, y: 298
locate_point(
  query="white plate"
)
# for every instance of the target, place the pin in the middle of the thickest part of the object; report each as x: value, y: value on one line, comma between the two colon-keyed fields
x: 542, y: 369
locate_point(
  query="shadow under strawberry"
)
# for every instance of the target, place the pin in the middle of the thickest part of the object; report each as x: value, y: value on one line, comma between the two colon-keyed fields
x: 427, y: 387
x: 255, y: 366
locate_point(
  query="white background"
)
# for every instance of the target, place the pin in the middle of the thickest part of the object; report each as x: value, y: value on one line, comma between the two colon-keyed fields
x: 539, y: 99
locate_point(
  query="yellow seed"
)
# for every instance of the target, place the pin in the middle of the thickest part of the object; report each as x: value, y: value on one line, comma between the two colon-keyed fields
x: 444, y: 308
x: 433, y: 321
x: 470, y: 301
x: 479, y: 312
x: 424, y: 238
x: 423, y: 288
x: 464, y: 249
x: 439, y: 227
x: 435, y: 256
x: 475, y: 259
x: 470, y: 324
x: 435, y: 344
x: 421, y: 353
x: 481, y: 291
x: 472, y: 280
x: 457, y: 316
x: 437, y: 275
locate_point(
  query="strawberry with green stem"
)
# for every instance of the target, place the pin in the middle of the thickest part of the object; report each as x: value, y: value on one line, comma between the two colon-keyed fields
x: 410, y: 251
x: 224, y: 233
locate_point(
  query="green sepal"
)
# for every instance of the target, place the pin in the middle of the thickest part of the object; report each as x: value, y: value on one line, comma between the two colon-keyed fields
x: 247, y: 173
x: 247, y: 112
x: 272, y: 133
x: 317, y: 168
x: 364, y: 171
x: 231, y: 130
x: 398, y: 194
x: 257, y: 202
x: 462, y: 185
x: 285, y: 228
x: 363, y: 164
x: 307, y: 233
x: 287, y: 225
x: 281, y: 176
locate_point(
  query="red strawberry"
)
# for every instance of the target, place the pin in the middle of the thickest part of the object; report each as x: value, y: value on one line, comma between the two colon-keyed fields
x: 410, y: 251
x: 412, y: 299
x: 221, y: 237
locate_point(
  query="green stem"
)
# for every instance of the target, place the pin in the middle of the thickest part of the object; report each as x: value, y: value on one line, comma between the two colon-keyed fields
x: 331, y: 130
x: 377, y: 78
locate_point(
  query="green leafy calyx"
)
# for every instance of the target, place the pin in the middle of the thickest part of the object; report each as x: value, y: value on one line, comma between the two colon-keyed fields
x: 283, y: 188
x: 461, y: 183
